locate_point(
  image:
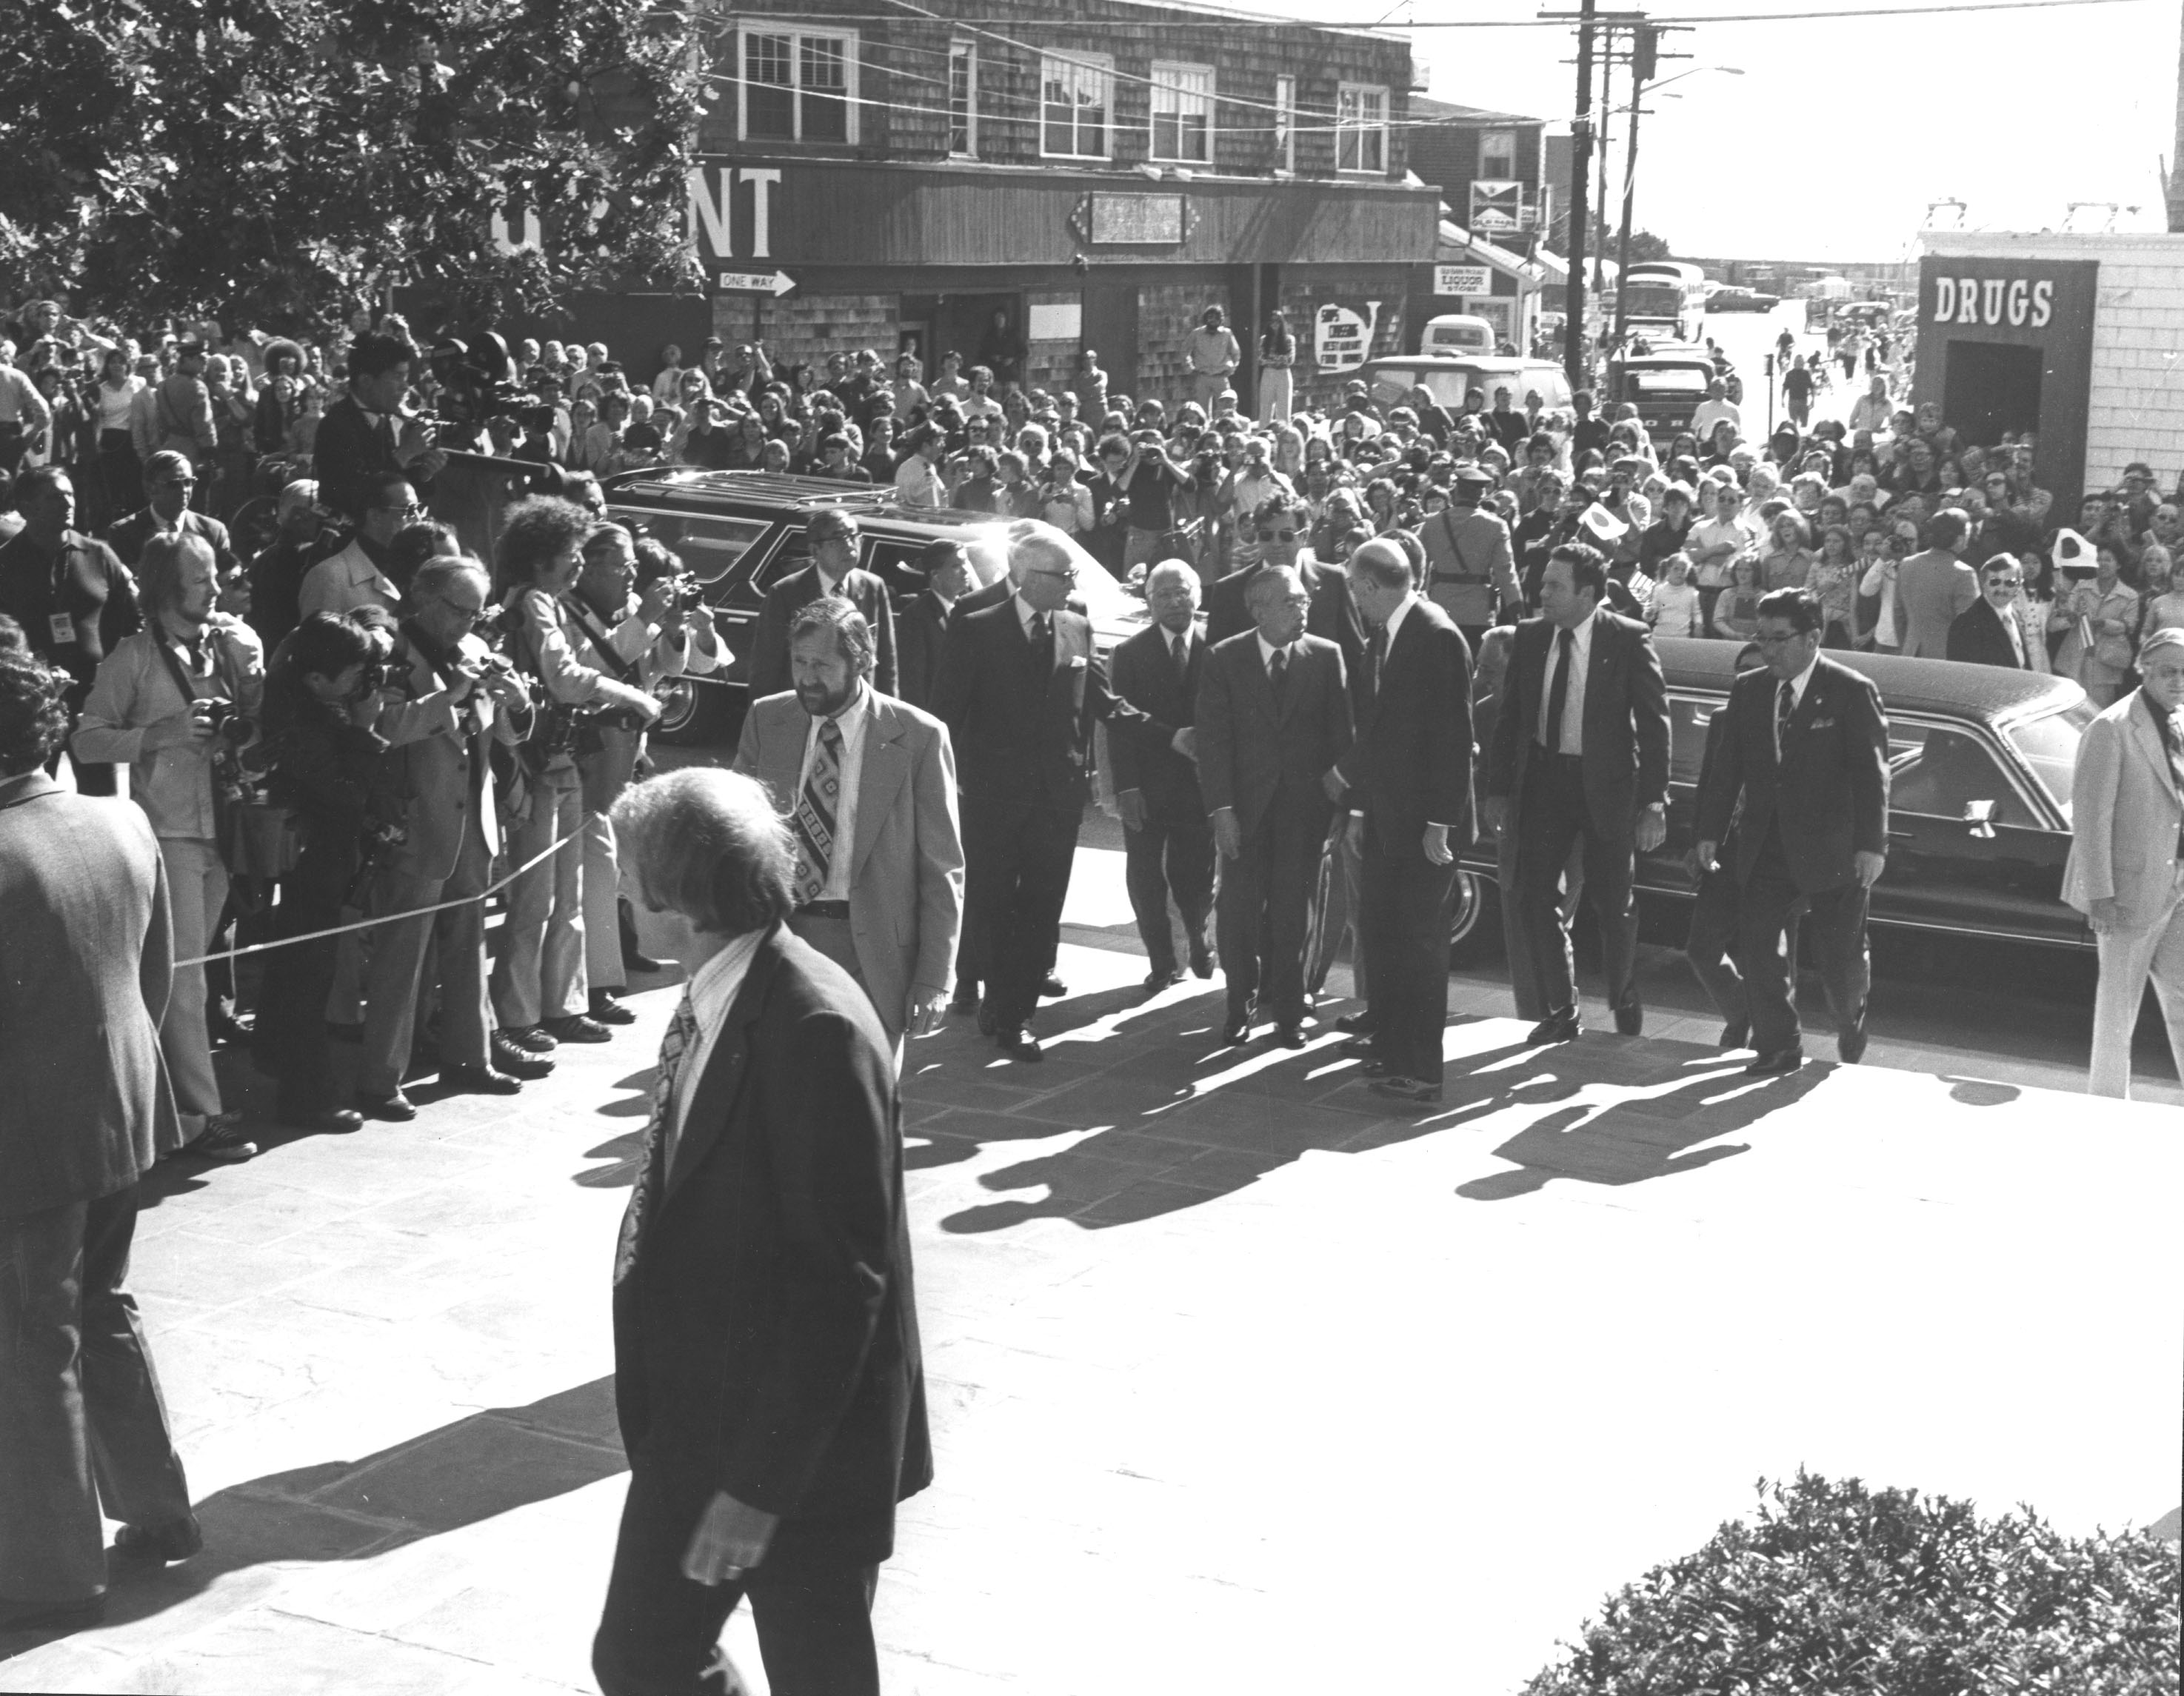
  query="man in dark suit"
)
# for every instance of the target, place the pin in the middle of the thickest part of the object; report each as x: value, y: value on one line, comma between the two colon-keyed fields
x: 768, y: 1374
x: 1581, y: 751
x: 1988, y: 632
x: 84, y: 974
x: 924, y: 626
x: 364, y: 435
x: 1167, y: 845
x: 1019, y: 686
x: 1406, y: 783
x: 833, y: 571
x: 1806, y: 752
x: 169, y: 480
x: 1274, y: 721
x: 1283, y: 529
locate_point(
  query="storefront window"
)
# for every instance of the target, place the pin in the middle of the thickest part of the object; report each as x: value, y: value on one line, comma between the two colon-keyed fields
x: 1183, y: 113
x: 1074, y: 100
x: 1361, y: 128
x: 799, y: 87
x: 1498, y: 154
x: 963, y: 99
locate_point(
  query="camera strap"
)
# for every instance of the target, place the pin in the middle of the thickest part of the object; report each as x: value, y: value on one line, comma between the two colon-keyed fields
x: 602, y: 641
x: 182, y: 680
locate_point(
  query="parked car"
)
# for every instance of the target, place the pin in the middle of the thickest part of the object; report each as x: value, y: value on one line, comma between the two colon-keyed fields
x: 1666, y: 386
x: 1732, y: 299
x: 1980, y: 761
x: 1389, y: 381
x: 739, y: 532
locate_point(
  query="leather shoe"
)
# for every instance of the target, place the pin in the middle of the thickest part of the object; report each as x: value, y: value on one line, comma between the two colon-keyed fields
x: 1779, y: 1064
x: 1236, y: 1030
x: 1850, y: 1042
x: 175, y: 1540
x: 604, y: 1009
x: 1630, y: 1018
x: 1163, y: 977
x: 1202, y: 961
x: 1018, y: 1044
x: 519, y: 1062
x: 39, y: 1616
x: 396, y: 1106
x: 1288, y: 1035
x: 330, y: 1121
x: 1359, y: 1024
x: 1415, y: 1090
x: 478, y: 1080
x: 1556, y: 1027
x: 1052, y: 988
x: 575, y: 1026
x: 1736, y: 1033
x: 1357, y: 1048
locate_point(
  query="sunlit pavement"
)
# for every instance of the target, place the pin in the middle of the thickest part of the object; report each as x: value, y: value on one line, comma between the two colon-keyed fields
x: 1238, y: 1382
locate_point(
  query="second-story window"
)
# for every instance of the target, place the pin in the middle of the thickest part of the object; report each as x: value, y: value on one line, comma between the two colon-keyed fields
x: 963, y: 99
x: 1075, y: 96
x: 1497, y: 155
x: 1286, y: 122
x: 1361, y: 128
x: 799, y: 86
x: 1182, y: 112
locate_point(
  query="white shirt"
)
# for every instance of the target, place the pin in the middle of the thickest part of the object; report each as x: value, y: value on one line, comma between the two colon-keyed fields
x: 1026, y: 612
x: 711, y: 993
x: 1573, y: 726
x: 1395, y: 623
x: 2010, y: 622
x: 1796, y: 699
x: 1709, y: 413
x: 1179, y: 646
x: 852, y: 721
x: 1267, y: 652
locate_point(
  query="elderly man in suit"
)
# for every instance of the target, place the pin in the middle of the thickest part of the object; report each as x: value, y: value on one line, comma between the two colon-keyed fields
x: 1988, y: 631
x: 355, y: 576
x: 924, y: 626
x: 1167, y: 845
x: 1273, y: 722
x: 867, y: 784
x: 1806, y: 750
x: 833, y: 571
x: 1021, y: 685
x: 2127, y: 821
x: 84, y: 974
x: 768, y: 1374
x: 1934, y: 586
x: 1406, y: 783
x: 1580, y: 753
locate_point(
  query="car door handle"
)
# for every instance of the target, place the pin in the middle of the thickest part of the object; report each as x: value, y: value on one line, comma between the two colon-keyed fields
x: 1899, y: 835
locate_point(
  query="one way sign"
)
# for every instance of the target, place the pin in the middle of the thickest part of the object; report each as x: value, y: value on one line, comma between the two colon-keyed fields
x: 774, y: 282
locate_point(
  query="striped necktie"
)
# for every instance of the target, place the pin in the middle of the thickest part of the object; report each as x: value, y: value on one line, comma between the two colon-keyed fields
x: 814, y: 818
x: 672, y: 1046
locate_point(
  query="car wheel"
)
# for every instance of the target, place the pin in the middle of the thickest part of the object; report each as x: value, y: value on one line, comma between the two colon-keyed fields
x: 1475, y: 919
x: 689, y: 712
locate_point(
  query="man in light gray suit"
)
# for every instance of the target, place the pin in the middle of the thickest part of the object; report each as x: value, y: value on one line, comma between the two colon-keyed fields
x: 2125, y: 874
x: 85, y: 963
x: 1933, y: 586
x: 867, y: 784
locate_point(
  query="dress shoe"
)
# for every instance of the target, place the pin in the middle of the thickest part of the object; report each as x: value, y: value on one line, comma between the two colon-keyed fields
x: 326, y: 1121
x: 1779, y: 1063
x: 1556, y: 1027
x: 1356, y: 1048
x: 518, y: 1062
x: 471, y: 1079
x: 1052, y: 988
x: 1359, y: 1024
x: 1289, y: 1036
x: 44, y: 1616
x: 1202, y: 961
x: 396, y: 1106
x: 575, y: 1026
x: 175, y: 1540
x: 967, y: 997
x: 1017, y: 1043
x: 604, y: 1009
x: 1415, y: 1090
x: 1163, y: 977
x: 1630, y: 1018
x: 530, y: 1039
x: 1850, y: 1040
x: 1236, y: 1030
x: 1736, y: 1033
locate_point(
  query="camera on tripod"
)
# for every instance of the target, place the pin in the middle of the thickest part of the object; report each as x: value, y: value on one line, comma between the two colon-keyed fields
x: 475, y: 378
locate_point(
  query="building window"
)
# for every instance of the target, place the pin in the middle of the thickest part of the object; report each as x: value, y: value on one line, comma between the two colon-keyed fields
x: 1183, y: 113
x: 1497, y: 155
x: 799, y: 86
x: 1361, y: 128
x: 1075, y: 96
x: 963, y: 99
x: 1286, y: 122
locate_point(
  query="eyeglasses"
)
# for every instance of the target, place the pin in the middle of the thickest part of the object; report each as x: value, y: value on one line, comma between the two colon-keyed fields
x: 175, y: 482
x: 2005, y: 583
x: 1278, y: 535
x: 1066, y: 574
x: 462, y: 609
x: 410, y: 511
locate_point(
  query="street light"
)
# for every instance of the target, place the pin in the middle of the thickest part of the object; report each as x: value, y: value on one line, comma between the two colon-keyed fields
x: 1638, y: 92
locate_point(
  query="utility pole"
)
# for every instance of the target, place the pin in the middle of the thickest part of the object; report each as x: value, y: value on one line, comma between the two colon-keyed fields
x: 1581, y: 209
x: 1645, y: 47
x: 1599, y: 168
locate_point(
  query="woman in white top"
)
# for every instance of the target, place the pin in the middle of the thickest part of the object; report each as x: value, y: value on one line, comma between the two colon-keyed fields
x: 114, y: 397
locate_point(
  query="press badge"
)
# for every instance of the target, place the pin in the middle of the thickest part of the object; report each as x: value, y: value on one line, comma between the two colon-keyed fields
x: 61, y: 628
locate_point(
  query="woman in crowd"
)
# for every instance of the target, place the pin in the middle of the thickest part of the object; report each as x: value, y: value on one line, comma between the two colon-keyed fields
x: 2096, y: 617
x: 1833, y: 576
x: 1277, y: 361
x: 113, y: 401
x: 1786, y: 558
x: 1736, y: 614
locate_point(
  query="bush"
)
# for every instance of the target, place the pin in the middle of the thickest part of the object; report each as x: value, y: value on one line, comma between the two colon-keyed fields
x: 1840, y: 1590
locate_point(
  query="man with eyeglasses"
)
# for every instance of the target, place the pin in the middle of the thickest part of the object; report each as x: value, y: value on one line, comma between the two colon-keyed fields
x: 355, y: 576
x: 169, y: 480
x: 1989, y: 631
x: 1281, y: 529
x: 833, y: 571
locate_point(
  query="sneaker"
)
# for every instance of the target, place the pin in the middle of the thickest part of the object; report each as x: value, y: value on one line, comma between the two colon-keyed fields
x: 532, y: 1039
x: 225, y: 1140
x: 575, y: 1026
x: 518, y: 1062
x: 606, y: 1010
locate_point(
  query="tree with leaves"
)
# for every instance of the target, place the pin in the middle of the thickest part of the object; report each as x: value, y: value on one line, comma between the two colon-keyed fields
x: 1647, y: 247
x: 283, y: 162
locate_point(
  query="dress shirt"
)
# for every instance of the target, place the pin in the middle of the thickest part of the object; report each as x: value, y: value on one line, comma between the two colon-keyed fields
x: 1796, y: 699
x: 1267, y: 652
x: 712, y: 992
x: 1026, y: 612
x: 2010, y: 622
x: 1573, y: 695
x: 135, y: 689
x: 1396, y: 623
x: 1178, y: 647
x: 852, y: 720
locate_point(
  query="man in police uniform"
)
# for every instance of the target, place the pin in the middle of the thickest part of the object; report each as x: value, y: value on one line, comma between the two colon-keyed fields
x: 1468, y: 562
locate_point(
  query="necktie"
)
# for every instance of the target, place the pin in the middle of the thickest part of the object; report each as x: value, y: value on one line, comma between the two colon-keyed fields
x: 1178, y: 650
x: 1785, y: 703
x: 814, y: 818
x: 1376, y: 656
x: 1558, y: 690
x: 387, y: 432
x: 1278, y: 675
x: 680, y: 1029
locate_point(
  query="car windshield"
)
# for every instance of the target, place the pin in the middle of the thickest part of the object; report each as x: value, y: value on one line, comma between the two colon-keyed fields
x: 2050, y: 747
x: 1392, y: 387
x: 1665, y: 382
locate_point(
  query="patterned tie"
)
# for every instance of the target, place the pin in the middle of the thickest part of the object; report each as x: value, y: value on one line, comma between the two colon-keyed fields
x: 814, y: 818
x: 1785, y: 703
x: 680, y: 1029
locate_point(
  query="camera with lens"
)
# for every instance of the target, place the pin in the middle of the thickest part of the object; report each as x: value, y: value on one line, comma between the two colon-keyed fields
x: 378, y: 664
x: 474, y: 378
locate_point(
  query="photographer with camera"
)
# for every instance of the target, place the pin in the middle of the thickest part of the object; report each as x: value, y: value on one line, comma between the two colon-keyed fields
x: 642, y: 618
x: 323, y: 702
x: 540, y: 986
x: 176, y: 703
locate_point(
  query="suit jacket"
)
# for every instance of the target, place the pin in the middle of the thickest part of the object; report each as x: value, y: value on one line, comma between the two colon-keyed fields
x: 769, y: 665
x: 1411, y: 763
x: 1024, y: 740
x: 1250, y: 751
x: 127, y: 536
x: 346, y: 454
x: 343, y: 582
x: 1625, y: 733
x: 85, y: 963
x: 436, y: 777
x: 1827, y: 797
x: 1143, y: 757
x: 766, y: 1333
x: 1332, y: 617
x: 1931, y: 588
x: 2124, y: 817
x: 918, y: 636
x: 907, y: 863
x: 1977, y: 637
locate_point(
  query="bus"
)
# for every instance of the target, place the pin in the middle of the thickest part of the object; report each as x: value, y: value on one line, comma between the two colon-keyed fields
x: 1665, y: 297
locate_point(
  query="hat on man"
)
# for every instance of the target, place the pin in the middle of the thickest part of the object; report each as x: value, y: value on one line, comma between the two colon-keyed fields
x: 1472, y: 484
x: 1603, y: 525
x: 2169, y: 636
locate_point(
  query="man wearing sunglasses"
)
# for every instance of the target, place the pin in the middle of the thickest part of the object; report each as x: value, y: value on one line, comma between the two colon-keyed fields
x: 169, y: 481
x: 1282, y: 530
x: 355, y: 576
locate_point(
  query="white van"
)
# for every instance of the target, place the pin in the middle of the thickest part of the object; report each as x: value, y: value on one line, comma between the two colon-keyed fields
x: 1457, y: 334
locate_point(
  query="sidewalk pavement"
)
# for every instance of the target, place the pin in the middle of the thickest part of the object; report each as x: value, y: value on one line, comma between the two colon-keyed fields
x: 1238, y: 1382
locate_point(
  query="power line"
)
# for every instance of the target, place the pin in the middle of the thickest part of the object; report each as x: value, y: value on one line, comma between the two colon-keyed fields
x: 1089, y: 25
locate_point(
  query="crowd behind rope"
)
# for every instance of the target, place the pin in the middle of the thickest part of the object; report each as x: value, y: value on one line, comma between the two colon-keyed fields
x: 325, y: 650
